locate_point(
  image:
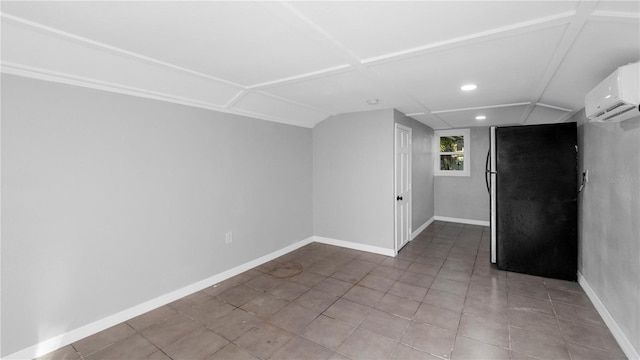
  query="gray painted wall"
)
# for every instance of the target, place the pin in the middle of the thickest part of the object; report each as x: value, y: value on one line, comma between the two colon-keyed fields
x: 422, y: 206
x: 609, y: 218
x: 109, y: 201
x: 353, y: 178
x: 466, y: 197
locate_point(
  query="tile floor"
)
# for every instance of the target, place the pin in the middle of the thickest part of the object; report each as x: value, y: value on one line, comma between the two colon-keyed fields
x: 438, y: 299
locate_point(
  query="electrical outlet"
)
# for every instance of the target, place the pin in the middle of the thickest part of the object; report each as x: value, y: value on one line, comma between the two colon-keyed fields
x: 228, y: 237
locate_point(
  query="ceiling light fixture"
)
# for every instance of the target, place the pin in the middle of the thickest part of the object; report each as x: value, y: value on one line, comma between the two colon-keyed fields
x: 481, y: 117
x: 373, y: 101
x: 468, y: 87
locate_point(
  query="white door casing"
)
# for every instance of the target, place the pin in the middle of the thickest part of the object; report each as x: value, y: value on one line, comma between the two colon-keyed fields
x: 402, y: 186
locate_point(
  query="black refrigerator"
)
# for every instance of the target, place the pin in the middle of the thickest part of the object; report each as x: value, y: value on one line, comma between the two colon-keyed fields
x: 532, y: 181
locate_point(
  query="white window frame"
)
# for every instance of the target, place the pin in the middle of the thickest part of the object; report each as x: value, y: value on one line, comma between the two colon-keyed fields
x: 466, y: 171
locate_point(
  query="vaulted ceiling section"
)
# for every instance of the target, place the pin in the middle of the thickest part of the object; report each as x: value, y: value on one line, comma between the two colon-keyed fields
x: 300, y: 62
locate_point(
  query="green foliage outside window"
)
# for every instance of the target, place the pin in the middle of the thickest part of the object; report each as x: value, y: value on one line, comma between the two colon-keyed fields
x: 451, y: 162
x: 451, y: 144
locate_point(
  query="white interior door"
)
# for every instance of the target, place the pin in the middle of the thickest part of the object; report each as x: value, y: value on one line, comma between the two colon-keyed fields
x: 402, y: 183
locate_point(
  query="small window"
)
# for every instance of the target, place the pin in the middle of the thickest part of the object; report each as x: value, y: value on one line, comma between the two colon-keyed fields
x: 452, y: 152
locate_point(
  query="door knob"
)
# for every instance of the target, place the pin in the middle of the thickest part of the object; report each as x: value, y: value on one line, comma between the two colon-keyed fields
x: 399, y: 198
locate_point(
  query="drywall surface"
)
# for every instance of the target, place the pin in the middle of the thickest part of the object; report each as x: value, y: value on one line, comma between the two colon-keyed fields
x: 609, y: 218
x: 109, y: 201
x: 353, y: 178
x: 466, y: 197
x: 422, y: 206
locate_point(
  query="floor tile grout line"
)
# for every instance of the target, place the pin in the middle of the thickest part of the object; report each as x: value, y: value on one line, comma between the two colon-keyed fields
x: 450, y: 243
x: 363, y: 319
x: 557, y: 321
x: 320, y: 314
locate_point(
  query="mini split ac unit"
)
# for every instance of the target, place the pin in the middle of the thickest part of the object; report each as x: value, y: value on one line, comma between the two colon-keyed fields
x: 617, y: 97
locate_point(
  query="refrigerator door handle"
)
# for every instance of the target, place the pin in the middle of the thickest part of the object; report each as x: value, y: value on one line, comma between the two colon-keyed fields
x: 487, y: 172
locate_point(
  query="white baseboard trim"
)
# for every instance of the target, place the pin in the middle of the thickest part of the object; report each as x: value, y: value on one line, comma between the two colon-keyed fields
x: 615, y: 329
x: 355, y: 246
x: 462, y: 221
x: 56, y: 342
x: 422, y: 227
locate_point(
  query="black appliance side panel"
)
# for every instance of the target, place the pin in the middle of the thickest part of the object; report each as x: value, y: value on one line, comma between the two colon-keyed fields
x: 536, y: 200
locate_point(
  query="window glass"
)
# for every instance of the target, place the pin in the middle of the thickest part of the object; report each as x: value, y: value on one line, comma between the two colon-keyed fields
x: 451, y: 143
x: 452, y: 150
x: 452, y: 162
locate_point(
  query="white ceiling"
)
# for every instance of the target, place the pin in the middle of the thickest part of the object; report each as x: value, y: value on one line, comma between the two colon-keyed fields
x: 300, y: 62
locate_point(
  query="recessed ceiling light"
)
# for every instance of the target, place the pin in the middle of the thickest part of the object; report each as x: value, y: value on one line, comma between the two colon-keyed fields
x: 481, y: 117
x: 468, y: 87
x: 373, y: 101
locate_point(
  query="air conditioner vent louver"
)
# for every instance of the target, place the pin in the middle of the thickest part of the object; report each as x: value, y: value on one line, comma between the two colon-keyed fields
x: 615, y: 106
x: 616, y: 98
x: 608, y: 118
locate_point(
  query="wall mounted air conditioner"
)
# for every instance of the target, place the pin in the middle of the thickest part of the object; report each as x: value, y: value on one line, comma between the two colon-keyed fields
x: 617, y: 97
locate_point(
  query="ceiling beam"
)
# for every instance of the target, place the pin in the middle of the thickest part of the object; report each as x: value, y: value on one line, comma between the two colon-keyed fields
x: 109, y: 48
x: 479, y: 108
x: 487, y: 35
x: 615, y: 16
x: 308, y: 27
x: 571, y: 33
x: 302, y: 77
x: 300, y: 22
